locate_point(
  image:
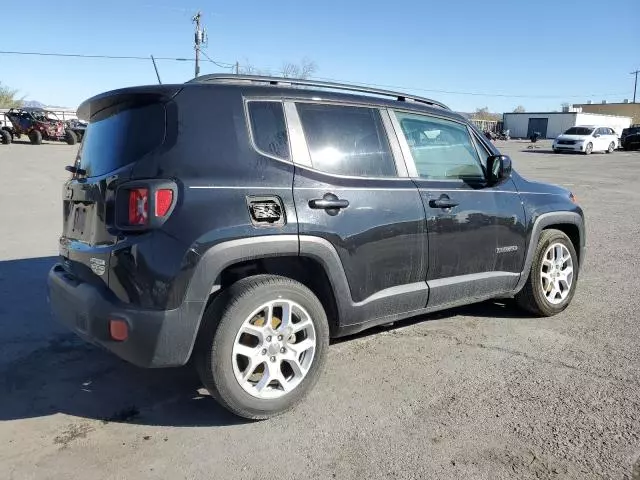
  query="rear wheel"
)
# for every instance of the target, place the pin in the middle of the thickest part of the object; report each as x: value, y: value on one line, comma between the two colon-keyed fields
x: 588, y: 149
x: 612, y: 147
x: 262, y: 346
x: 553, y: 275
x: 70, y: 137
x: 35, y: 137
x: 5, y: 137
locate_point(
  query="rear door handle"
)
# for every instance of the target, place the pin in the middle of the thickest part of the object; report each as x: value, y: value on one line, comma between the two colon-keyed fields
x: 328, y: 202
x: 443, y: 202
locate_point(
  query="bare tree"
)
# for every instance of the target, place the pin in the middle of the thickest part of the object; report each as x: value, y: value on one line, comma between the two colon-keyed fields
x: 519, y: 109
x: 9, y: 97
x: 485, y: 114
x: 305, y: 69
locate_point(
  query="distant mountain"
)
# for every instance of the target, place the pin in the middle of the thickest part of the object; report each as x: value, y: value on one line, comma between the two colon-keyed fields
x: 32, y: 104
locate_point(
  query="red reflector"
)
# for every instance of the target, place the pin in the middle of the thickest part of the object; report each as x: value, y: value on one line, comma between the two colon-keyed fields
x: 138, y: 206
x: 164, y: 198
x: 119, y: 330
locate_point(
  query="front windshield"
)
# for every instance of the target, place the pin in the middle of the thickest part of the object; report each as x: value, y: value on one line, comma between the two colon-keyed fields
x: 579, y: 131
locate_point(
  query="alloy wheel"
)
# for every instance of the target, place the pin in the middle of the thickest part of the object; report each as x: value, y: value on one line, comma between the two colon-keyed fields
x: 274, y: 349
x: 556, y: 273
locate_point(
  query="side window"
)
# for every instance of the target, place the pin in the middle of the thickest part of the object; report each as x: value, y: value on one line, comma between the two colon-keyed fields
x: 268, y: 128
x: 441, y: 149
x: 346, y: 140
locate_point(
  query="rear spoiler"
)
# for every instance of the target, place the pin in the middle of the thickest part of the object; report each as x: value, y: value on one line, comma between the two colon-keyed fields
x: 126, y: 98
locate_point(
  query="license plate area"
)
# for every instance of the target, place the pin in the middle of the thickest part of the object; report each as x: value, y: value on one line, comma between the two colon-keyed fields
x: 79, y: 220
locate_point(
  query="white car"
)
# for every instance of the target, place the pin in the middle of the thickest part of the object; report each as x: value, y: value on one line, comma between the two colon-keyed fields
x: 587, y: 139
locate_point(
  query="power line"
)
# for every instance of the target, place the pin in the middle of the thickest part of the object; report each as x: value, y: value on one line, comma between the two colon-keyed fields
x: 225, y: 65
x: 78, y: 55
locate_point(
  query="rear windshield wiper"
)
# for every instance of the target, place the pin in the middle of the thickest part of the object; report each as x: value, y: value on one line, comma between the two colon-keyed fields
x: 75, y: 170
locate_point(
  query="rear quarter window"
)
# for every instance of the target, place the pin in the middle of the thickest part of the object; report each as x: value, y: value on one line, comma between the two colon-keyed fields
x: 268, y: 128
x: 121, y: 138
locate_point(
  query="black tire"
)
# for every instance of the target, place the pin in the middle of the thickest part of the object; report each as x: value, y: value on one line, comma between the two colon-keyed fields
x: 5, y: 137
x: 8, y: 130
x: 221, y: 322
x: 588, y: 149
x: 70, y: 137
x: 531, y: 297
x: 612, y: 147
x: 35, y: 137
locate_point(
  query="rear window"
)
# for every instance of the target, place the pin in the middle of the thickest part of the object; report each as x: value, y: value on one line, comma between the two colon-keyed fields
x: 579, y: 131
x: 122, y: 138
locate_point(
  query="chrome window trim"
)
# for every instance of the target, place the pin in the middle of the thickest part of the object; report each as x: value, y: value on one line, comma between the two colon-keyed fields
x: 392, y: 138
x: 297, y: 141
x: 404, y: 145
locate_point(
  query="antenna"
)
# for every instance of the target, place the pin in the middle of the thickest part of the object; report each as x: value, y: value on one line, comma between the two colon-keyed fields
x: 156, y: 69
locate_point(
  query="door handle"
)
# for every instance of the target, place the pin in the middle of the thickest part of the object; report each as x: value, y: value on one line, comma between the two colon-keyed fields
x: 328, y: 202
x: 443, y: 202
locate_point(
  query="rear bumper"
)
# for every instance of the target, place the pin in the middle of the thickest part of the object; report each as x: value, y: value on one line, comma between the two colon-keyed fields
x: 157, y: 338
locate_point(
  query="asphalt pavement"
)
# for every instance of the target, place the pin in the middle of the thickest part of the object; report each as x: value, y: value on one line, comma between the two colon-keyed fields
x: 483, y: 391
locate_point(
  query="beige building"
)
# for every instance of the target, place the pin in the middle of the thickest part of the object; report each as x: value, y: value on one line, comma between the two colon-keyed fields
x: 621, y: 109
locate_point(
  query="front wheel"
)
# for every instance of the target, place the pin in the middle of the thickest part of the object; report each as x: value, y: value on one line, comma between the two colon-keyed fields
x: 553, y: 275
x: 588, y: 149
x: 5, y: 137
x: 612, y: 147
x: 262, y: 346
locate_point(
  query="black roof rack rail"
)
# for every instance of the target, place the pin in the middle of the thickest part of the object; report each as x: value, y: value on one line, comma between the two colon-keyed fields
x: 231, y: 78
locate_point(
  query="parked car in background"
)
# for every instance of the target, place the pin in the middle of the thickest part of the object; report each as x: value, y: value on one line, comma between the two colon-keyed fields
x: 631, y: 140
x: 587, y: 139
x: 632, y: 130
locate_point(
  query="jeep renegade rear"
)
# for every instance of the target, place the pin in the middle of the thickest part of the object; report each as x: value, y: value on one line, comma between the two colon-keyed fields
x: 244, y: 221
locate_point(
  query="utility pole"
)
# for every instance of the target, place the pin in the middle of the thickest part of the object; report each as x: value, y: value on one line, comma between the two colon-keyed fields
x: 199, y: 39
x: 635, y: 85
x: 237, y: 68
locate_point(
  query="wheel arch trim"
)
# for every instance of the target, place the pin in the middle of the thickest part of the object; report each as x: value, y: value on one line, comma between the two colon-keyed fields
x: 543, y: 221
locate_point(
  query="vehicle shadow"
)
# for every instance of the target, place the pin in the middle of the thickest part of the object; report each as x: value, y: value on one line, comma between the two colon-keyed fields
x: 547, y: 151
x: 45, y: 369
x: 506, y: 309
x: 25, y: 141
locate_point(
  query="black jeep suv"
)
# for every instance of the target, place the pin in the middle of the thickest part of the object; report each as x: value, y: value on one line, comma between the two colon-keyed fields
x: 242, y: 221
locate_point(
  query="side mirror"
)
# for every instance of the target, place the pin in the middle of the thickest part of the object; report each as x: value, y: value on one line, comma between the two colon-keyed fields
x: 498, y: 168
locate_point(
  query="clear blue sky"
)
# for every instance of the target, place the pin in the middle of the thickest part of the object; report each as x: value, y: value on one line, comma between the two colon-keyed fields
x: 539, y: 49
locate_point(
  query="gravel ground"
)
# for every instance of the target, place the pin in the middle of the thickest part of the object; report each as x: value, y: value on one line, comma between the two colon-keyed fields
x: 476, y: 392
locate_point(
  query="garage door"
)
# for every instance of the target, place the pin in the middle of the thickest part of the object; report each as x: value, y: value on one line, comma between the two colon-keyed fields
x: 538, y: 125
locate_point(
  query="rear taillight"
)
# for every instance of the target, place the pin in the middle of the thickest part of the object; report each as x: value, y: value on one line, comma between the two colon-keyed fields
x: 138, y: 206
x: 144, y: 204
x: 164, y: 199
